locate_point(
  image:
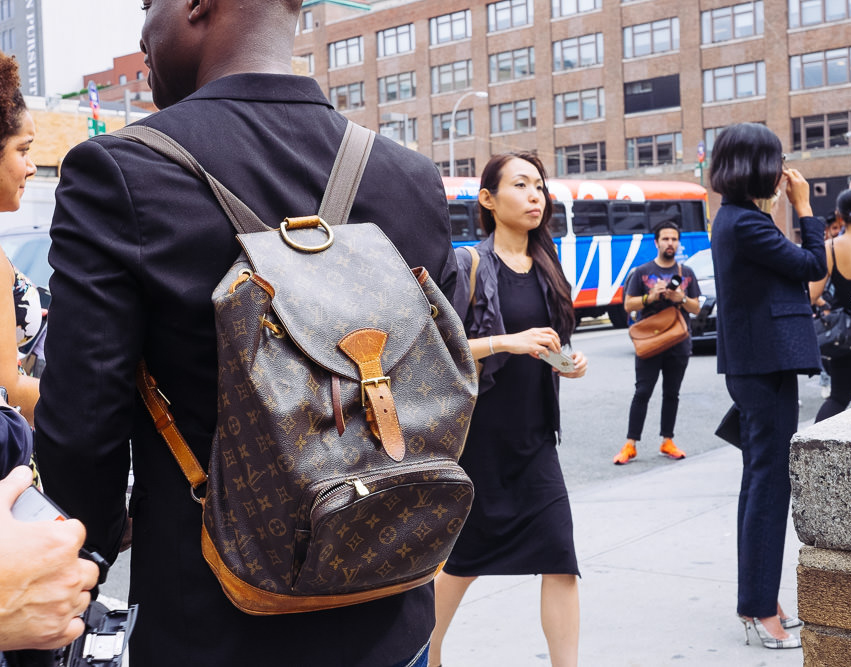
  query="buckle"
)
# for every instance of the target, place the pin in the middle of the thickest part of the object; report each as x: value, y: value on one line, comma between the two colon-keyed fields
x: 372, y: 381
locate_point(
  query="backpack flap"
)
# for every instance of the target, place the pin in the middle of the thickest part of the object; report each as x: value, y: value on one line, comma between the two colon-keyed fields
x: 360, y: 281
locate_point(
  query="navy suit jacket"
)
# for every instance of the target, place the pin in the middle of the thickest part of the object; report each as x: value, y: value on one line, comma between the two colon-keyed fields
x: 138, y: 246
x: 764, y: 314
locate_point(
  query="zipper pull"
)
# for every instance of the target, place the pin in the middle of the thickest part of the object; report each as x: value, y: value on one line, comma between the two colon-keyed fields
x: 360, y: 487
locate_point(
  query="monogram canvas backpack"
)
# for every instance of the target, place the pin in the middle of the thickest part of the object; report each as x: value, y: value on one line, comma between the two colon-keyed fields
x: 346, y: 386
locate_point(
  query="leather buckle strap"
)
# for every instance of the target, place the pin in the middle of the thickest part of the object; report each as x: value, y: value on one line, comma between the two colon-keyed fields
x: 364, y: 347
x: 158, y: 407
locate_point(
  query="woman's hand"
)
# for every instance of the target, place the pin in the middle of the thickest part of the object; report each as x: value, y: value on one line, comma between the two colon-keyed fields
x: 580, y: 365
x: 798, y: 192
x: 531, y: 342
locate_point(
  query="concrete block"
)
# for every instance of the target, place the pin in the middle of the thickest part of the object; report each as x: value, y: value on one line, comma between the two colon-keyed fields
x: 824, y: 579
x: 825, y: 647
x: 820, y: 472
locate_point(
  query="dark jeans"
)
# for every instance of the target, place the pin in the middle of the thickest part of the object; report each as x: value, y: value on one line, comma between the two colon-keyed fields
x: 840, y: 389
x: 673, y: 369
x: 769, y: 416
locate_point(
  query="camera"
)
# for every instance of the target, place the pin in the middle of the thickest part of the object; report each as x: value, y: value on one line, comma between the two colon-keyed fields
x: 675, y: 282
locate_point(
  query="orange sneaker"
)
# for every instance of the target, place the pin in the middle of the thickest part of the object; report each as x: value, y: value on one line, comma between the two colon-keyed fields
x: 626, y: 454
x: 670, y: 450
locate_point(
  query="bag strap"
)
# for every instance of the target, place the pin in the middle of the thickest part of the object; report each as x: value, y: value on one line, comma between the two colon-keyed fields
x: 473, y: 268
x: 339, y: 193
x: 336, y: 204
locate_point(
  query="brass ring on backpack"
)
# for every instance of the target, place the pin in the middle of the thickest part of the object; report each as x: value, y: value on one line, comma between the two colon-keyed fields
x: 298, y: 246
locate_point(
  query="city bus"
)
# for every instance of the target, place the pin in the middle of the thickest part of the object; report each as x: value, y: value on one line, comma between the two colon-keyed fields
x: 601, y: 230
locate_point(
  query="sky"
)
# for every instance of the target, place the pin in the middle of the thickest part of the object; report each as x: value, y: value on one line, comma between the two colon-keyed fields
x: 83, y: 36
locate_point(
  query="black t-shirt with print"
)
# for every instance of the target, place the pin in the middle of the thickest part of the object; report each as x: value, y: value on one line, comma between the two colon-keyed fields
x: 645, y: 277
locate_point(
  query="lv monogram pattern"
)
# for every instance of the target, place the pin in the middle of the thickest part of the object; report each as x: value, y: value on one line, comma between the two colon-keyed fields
x: 293, y: 507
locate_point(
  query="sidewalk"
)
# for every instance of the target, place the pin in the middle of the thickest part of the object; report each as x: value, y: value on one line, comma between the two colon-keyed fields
x: 657, y: 552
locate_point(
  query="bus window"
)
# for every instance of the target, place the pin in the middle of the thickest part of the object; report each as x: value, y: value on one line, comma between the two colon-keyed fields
x: 558, y: 223
x: 462, y: 222
x: 590, y: 217
x: 629, y: 218
x: 694, y: 217
x: 664, y: 211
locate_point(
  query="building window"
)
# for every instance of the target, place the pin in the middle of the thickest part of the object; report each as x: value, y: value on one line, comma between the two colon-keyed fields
x: 513, y: 116
x: 822, y: 131
x: 305, y: 23
x: 452, y: 76
x: 647, y: 38
x: 571, y: 7
x: 509, y: 14
x: 396, y: 40
x: 122, y: 79
x: 813, y: 12
x: 580, y: 159
x: 345, y: 52
x: 7, y: 10
x: 736, y: 22
x: 450, y: 27
x: 731, y: 83
x: 585, y: 51
x: 654, y: 151
x: 510, y: 65
x: 140, y: 75
x: 824, y: 68
x: 463, y: 124
x: 464, y: 167
x: 397, y: 87
x: 395, y: 130
x: 7, y: 40
x: 347, y: 97
x: 580, y: 105
x: 649, y: 94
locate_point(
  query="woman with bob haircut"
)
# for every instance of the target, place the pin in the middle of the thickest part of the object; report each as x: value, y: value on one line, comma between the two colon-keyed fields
x: 765, y: 339
x: 519, y: 312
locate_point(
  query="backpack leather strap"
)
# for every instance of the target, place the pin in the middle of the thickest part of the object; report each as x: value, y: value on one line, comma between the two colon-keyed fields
x: 157, y: 405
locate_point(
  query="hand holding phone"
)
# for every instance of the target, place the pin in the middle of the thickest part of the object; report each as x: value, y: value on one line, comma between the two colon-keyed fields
x: 561, y: 361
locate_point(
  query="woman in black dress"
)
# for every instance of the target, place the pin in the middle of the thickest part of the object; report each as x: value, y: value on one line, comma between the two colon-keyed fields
x: 520, y: 312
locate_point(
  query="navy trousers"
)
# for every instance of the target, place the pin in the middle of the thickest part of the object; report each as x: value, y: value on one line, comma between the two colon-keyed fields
x: 769, y: 416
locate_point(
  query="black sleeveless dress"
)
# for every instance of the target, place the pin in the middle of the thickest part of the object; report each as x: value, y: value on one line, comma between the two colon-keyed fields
x: 520, y: 521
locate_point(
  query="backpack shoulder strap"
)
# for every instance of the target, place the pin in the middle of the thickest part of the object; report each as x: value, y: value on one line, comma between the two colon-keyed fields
x: 241, y: 217
x: 346, y: 174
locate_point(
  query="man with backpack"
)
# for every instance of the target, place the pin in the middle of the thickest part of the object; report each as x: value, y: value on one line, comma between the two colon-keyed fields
x: 139, y: 244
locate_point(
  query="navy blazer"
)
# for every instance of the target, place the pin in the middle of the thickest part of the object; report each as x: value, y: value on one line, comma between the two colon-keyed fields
x: 764, y: 314
x: 138, y: 246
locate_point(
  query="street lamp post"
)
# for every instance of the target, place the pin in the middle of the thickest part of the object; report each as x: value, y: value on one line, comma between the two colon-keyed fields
x: 477, y: 93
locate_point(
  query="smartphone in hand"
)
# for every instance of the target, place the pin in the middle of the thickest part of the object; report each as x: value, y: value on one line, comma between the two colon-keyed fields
x: 561, y: 361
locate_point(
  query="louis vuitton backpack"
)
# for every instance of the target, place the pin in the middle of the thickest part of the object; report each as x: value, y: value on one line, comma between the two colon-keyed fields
x: 346, y: 387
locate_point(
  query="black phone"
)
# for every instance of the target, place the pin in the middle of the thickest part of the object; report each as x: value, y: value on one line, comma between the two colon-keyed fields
x: 675, y: 282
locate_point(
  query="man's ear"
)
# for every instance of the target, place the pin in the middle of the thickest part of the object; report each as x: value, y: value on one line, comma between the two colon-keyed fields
x: 486, y: 199
x: 198, y: 9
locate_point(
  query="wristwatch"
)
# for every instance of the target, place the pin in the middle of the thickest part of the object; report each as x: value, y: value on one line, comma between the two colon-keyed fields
x: 685, y: 298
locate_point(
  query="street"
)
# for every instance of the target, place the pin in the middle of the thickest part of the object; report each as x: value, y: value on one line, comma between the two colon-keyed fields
x: 594, y: 409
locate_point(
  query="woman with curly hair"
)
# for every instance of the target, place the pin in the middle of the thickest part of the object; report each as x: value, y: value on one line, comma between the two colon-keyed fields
x: 20, y: 306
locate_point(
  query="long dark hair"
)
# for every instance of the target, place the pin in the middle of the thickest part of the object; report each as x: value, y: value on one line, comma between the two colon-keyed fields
x: 12, y: 105
x: 541, y: 246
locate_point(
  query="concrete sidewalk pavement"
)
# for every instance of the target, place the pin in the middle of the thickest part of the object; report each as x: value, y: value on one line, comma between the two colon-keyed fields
x: 657, y: 552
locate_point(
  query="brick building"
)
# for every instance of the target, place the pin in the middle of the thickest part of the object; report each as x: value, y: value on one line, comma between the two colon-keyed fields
x: 606, y: 88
